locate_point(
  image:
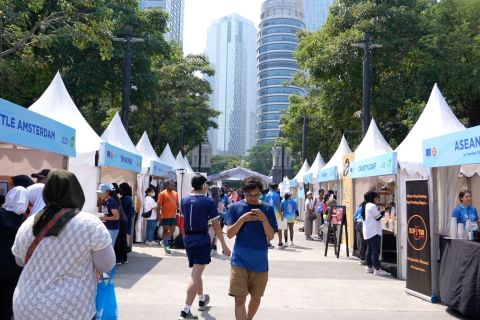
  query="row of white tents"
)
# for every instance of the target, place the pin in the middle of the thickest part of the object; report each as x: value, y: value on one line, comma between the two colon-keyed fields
x: 57, y: 104
x: 437, y: 119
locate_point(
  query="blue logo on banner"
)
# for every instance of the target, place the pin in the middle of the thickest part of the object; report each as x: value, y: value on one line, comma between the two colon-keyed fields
x: 19, y: 126
x: 428, y: 152
x: 382, y: 165
x: 462, y: 147
x: 329, y: 174
x: 112, y: 156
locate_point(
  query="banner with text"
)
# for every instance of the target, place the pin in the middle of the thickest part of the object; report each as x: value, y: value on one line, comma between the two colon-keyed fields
x: 329, y: 174
x: 385, y: 164
x: 111, y: 156
x: 22, y: 127
x: 159, y: 169
x: 452, y: 149
x: 419, y: 268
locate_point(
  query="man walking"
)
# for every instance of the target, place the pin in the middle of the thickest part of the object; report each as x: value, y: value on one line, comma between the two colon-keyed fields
x: 254, y: 224
x: 167, y: 207
x: 198, y: 209
x: 273, y: 199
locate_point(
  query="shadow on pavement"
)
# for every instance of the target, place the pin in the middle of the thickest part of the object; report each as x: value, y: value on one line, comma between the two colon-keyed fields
x: 206, y: 314
x: 139, y: 265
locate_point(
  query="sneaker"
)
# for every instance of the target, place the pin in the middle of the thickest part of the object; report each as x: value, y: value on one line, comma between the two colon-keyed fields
x: 151, y: 243
x: 184, y: 315
x: 124, y: 262
x: 381, y: 273
x: 213, y: 253
x: 281, y: 246
x: 308, y: 238
x: 202, y: 305
x: 369, y: 270
x: 292, y: 244
x: 362, y: 262
x: 167, y: 251
x: 270, y: 246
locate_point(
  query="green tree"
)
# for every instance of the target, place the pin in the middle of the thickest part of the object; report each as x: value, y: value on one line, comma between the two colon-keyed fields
x: 225, y: 162
x: 260, y: 158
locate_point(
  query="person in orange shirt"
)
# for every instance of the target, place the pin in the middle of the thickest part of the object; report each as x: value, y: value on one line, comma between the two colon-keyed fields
x: 167, y: 206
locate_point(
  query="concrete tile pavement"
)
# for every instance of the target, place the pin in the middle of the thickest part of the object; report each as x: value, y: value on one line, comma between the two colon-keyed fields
x: 303, y: 284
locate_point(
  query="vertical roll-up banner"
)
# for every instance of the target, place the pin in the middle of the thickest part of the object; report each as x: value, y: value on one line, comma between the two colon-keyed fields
x: 419, y: 266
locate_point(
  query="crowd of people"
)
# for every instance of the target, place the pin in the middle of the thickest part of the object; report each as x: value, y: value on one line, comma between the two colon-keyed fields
x: 53, y: 252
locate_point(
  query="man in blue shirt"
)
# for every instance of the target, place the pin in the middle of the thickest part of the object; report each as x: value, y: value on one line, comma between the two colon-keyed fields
x: 198, y: 209
x: 289, y: 208
x: 254, y: 224
x: 273, y: 199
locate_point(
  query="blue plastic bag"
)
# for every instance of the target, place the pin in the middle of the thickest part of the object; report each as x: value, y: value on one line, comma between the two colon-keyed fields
x: 106, y: 301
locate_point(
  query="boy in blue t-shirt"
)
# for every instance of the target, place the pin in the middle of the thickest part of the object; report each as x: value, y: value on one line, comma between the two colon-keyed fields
x: 254, y: 224
x: 289, y: 209
x: 198, y: 209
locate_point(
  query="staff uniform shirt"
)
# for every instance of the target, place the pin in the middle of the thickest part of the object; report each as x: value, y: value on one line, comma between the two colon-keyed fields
x: 371, y: 226
x: 273, y: 199
x: 251, y: 246
x: 107, y: 207
x: 463, y: 214
x: 150, y: 204
x: 168, y: 201
x: 289, y: 207
x: 198, y: 210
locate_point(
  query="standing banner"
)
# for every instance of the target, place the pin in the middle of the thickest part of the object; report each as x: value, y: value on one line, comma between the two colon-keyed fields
x: 419, y: 267
x: 348, y: 194
x: 337, y: 219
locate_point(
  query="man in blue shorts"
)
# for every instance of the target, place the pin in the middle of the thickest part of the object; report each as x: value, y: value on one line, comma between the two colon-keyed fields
x: 198, y: 209
x: 254, y: 224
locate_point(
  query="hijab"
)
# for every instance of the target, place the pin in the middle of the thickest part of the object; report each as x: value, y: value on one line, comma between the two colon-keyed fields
x: 16, y: 200
x: 35, y: 197
x: 62, y: 190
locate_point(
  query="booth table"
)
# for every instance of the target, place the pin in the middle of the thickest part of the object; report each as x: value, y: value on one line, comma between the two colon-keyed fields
x: 460, y: 276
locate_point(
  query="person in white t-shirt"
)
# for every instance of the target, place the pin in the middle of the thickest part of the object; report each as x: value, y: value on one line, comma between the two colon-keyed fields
x: 372, y: 233
x: 151, y: 204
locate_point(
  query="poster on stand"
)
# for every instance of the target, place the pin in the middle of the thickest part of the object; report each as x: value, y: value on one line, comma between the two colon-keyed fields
x: 419, y: 267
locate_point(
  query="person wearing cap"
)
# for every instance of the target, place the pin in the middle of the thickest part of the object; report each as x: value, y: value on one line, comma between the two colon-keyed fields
x: 198, y: 209
x: 111, y: 216
x: 35, y: 197
x: 289, y: 208
x: 309, y: 212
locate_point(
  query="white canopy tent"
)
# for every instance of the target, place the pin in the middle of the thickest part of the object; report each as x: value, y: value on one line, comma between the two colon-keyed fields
x: 372, y: 145
x: 238, y: 173
x: 337, y: 161
x: 298, y: 190
x: 57, y: 104
x: 168, y: 158
x: 116, y: 135
x: 311, y: 175
x: 436, y: 119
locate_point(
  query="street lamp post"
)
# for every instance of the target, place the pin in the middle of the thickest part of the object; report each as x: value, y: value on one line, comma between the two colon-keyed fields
x: 367, y: 45
x: 127, y: 73
x: 304, y: 138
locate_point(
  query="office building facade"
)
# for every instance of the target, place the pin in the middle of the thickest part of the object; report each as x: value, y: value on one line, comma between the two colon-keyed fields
x: 231, y: 44
x: 277, y: 41
x: 176, y: 13
x: 316, y: 12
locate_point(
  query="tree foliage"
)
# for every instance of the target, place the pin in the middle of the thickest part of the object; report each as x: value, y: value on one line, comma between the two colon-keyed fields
x: 260, y: 158
x: 424, y: 42
x: 40, y: 37
x: 225, y: 162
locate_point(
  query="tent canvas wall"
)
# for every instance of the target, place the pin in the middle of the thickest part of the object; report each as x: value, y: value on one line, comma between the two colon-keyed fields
x: 57, y: 104
x: 436, y: 119
x: 298, y: 190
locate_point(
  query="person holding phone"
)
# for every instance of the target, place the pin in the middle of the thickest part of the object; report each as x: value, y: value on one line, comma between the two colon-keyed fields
x: 254, y: 224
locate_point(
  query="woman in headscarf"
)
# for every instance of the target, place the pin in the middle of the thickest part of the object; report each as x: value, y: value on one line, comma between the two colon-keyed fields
x: 11, y: 217
x: 58, y: 280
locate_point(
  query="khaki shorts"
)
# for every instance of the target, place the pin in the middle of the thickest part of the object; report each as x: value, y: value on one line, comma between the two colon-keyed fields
x: 244, y: 282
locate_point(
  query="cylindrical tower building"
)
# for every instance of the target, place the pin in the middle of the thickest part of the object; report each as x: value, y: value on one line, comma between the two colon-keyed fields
x: 277, y: 40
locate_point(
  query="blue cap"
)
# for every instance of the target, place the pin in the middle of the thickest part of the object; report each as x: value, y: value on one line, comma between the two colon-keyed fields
x: 103, y: 187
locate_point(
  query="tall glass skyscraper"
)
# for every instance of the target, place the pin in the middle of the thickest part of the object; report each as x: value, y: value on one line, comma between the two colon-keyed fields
x: 277, y: 40
x: 176, y: 12
x: 316, y: 12
x: 231, y: 43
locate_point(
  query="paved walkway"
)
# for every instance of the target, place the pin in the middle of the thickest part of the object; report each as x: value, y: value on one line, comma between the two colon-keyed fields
x: 303, y: 284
